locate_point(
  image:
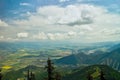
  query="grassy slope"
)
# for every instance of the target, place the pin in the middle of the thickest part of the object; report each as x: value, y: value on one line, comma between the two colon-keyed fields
x: 94, y: 70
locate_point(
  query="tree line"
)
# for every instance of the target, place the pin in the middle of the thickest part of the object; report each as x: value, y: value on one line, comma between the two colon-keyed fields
x: 51, y: 74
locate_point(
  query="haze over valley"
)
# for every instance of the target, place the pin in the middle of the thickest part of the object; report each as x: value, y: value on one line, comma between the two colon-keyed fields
x: 59, y: 40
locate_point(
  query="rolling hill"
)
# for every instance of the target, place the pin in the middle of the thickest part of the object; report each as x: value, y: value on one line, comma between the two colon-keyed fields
x: 73, y: 74
x: 94, y: 71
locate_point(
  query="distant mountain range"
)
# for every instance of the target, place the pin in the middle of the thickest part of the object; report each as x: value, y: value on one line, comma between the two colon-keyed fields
x: 80, y: 58
x: 51, y: 44
x: 111, y: 58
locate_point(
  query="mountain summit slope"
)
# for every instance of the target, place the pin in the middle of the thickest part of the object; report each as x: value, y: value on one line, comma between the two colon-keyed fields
x: 94, y: 71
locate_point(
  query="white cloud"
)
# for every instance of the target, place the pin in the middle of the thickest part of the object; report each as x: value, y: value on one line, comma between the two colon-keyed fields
x: 1, y: 37
x: 55, y: 36
x: 22, y: 35
x: 84, y: 21
x: 25, y: 4
x: 84, y: 27
x: 71, y: 33
x: 3, y: 24
x: 70, y: 15
x: 40, y: 36
x: 63, y: 0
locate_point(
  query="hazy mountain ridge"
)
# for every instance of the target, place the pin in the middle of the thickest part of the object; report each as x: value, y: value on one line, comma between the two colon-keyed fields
x: 20, y: 55
x: 108, y: 58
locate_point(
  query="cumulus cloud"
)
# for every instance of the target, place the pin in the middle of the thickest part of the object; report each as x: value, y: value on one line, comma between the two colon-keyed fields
x: 1, y: 37
x: 71, y: 14
x: 63, y: 0
x: 40, y: 36
x: 55, y: 36
x: 3, y: 24
x: 22, y: 35
x: 76, y: 21
x: 25, y: 4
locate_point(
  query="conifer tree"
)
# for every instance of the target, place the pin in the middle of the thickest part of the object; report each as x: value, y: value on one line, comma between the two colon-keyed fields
x: 28, y: 75
x: 102, y: 76
x: 57, y: 76
x: 32, y: 76
x: 0, y: 74
x: 90, y: 77
x: 50, y: 69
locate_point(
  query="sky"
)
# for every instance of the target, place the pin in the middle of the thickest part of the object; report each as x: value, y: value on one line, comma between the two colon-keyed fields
x: 60, y: 20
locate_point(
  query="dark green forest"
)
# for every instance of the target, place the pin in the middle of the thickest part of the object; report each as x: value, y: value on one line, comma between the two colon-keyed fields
x: 50, y: 72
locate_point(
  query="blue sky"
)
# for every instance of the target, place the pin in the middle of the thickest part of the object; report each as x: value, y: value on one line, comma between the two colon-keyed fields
x: 75, y: 20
